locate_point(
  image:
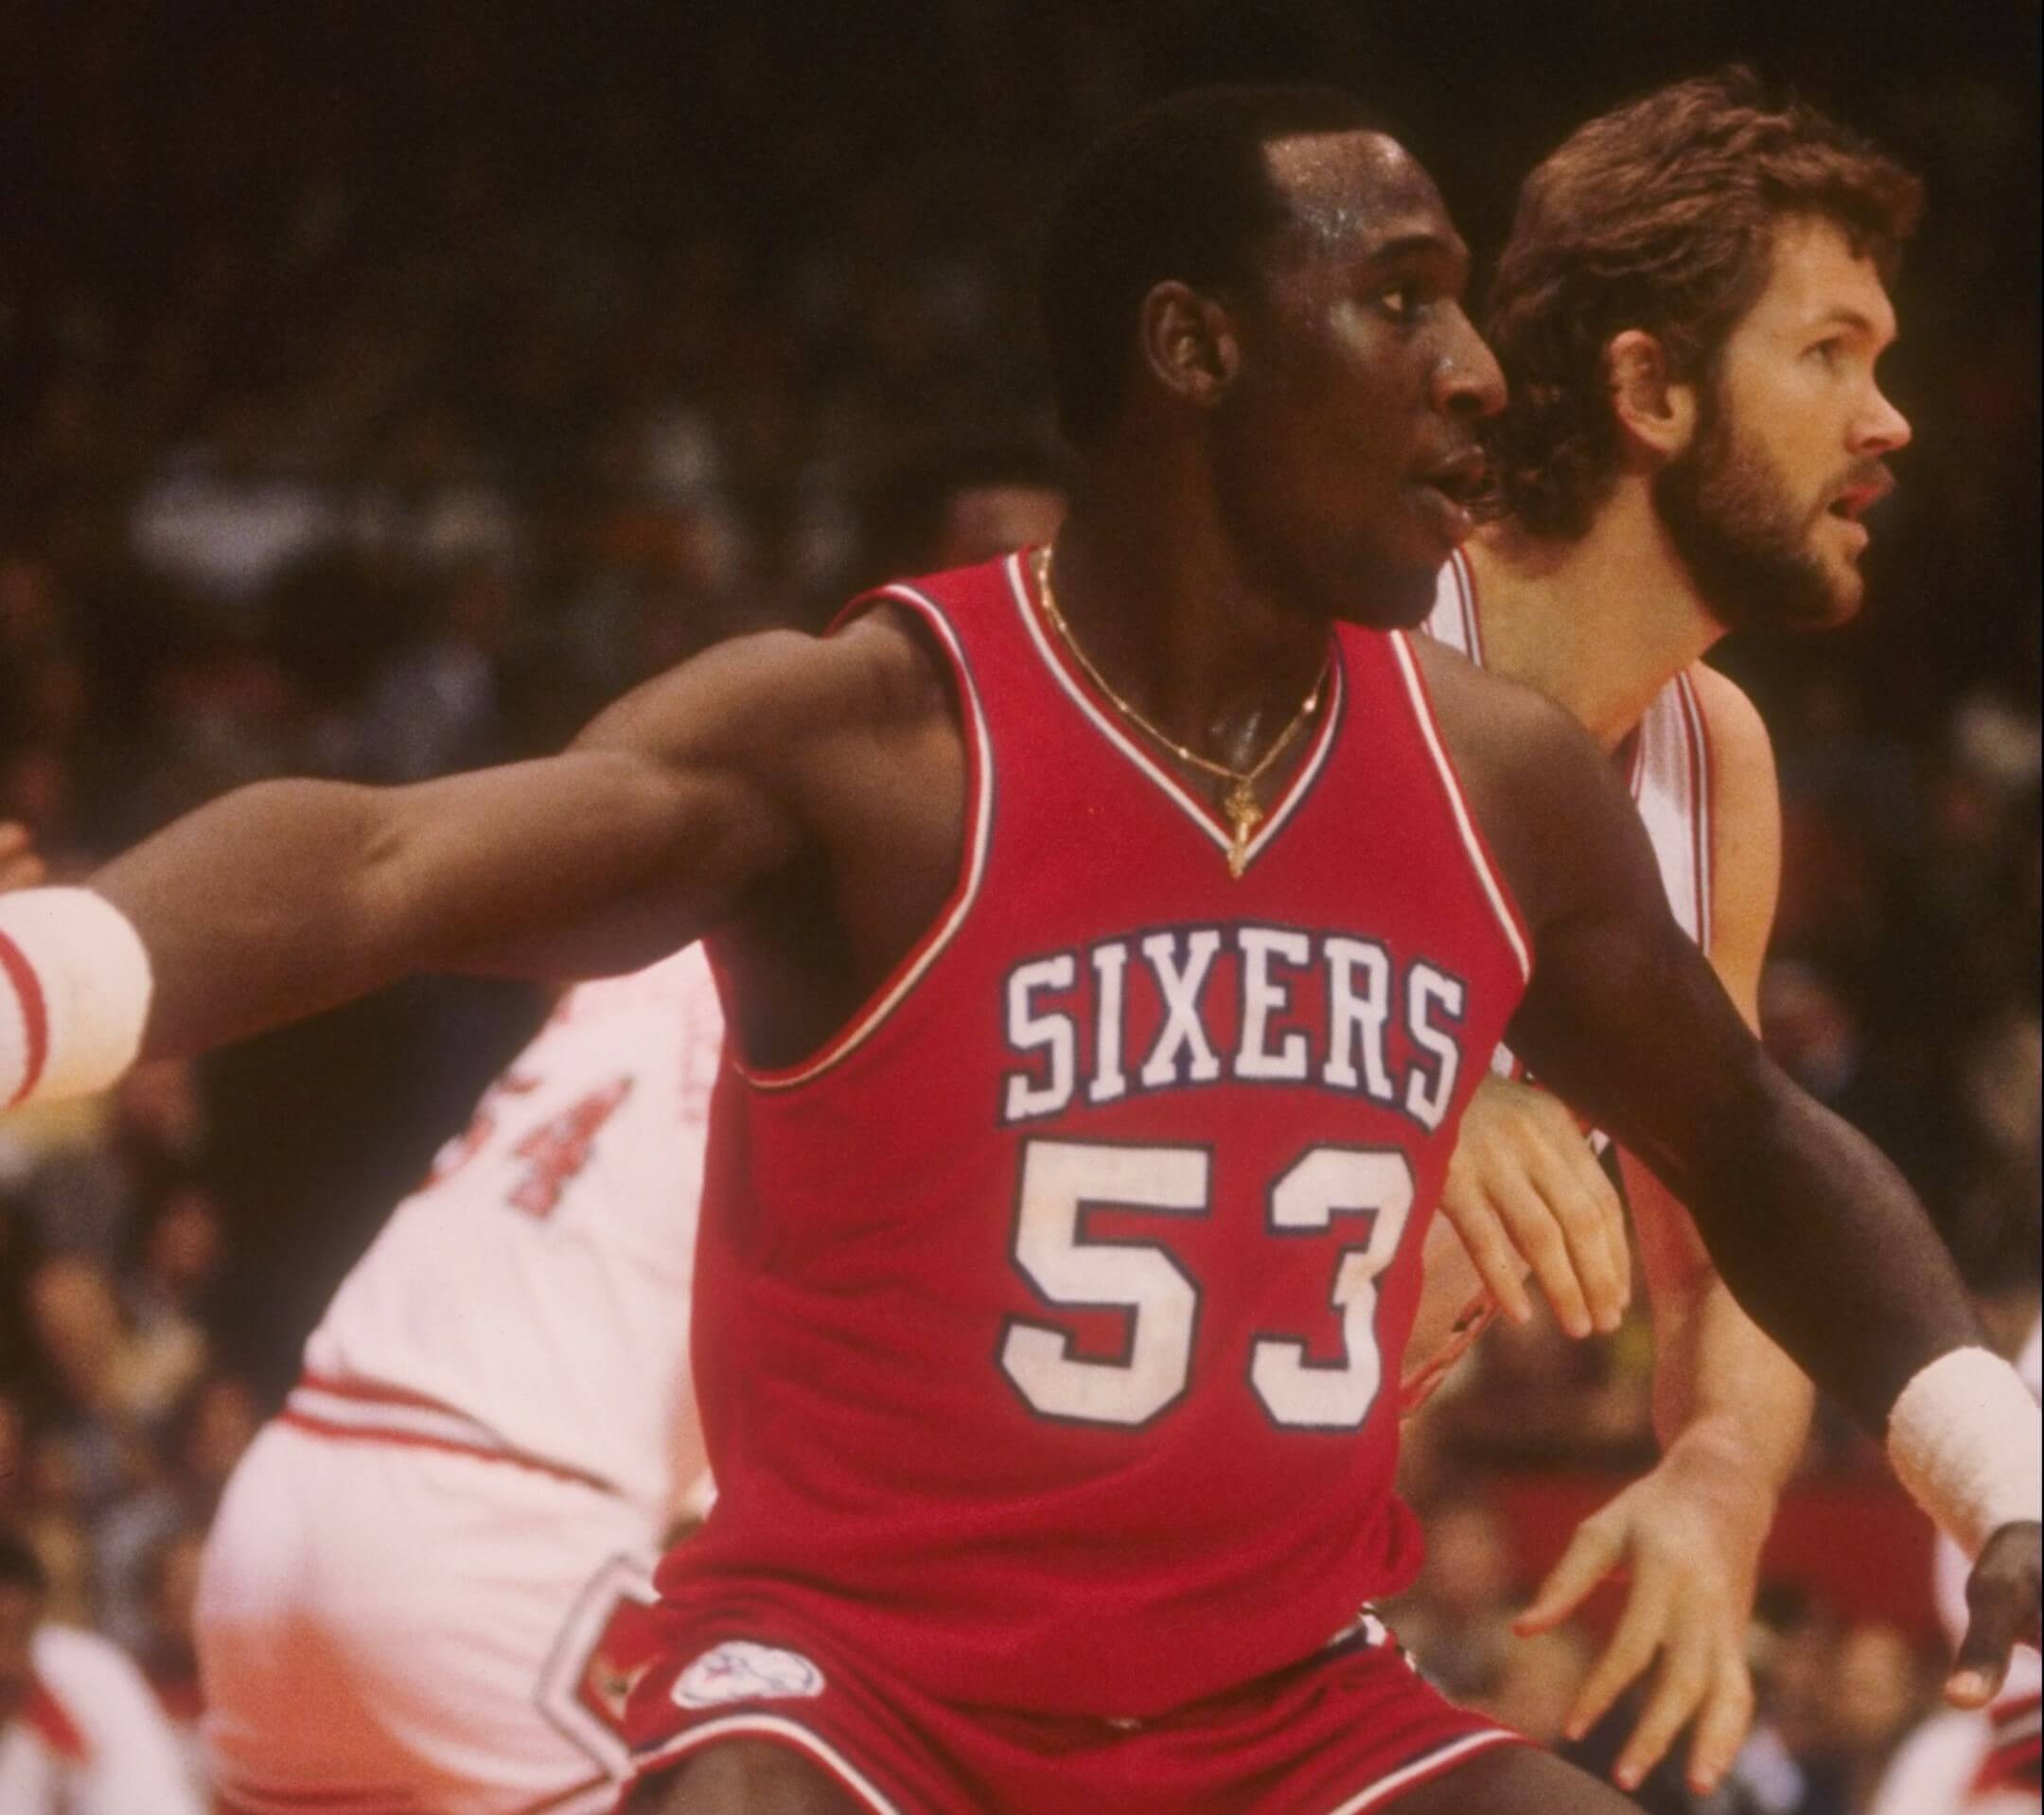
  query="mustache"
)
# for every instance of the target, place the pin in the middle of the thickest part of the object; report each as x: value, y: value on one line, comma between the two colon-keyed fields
x: 1871, y: 476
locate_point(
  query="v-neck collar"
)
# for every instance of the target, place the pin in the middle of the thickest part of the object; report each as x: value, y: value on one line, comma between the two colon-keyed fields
x: 1111, y: 723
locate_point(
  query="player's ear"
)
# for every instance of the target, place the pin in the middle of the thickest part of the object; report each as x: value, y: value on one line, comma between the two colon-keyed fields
x: 1188, y: 343
x: 1657, y: 413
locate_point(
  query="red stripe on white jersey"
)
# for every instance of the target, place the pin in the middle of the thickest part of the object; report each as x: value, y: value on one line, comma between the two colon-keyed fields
x: 365, y: 1411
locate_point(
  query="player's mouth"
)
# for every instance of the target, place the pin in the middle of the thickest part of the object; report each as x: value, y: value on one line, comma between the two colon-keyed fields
x: 1854, y: 501
x: 1450, y: 489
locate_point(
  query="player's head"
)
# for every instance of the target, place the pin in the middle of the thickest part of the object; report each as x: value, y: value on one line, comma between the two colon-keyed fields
x: 23, y: 1589
x: 1264, y: 281
x: 1695, y: 291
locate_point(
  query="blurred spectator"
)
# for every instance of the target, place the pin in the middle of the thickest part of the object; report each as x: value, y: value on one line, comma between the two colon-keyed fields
x: 215, y: 1424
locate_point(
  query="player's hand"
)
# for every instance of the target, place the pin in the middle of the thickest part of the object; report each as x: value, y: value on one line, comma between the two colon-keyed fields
x: 20, y: 867
x: 1524, y: 1191
x: 2001, y: 1612
x: 1689, y: 1534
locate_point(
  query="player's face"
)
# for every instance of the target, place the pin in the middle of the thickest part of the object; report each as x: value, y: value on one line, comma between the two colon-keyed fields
x: 20, y: 1609
x: 1345, y: 451
x: 1764, y: 507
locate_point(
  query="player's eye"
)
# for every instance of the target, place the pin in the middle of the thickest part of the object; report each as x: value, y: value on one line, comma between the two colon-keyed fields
x: 1401, y: 302
x: 1827, y: 352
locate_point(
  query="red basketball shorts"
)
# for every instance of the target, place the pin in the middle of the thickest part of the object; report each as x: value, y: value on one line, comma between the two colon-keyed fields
x: 1348, y: 1730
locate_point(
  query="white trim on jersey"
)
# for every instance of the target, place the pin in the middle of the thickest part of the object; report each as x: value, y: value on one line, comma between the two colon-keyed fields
x: 1472, y: 846
x: 1697, y: 727
x: 925, y: 952
x: 1173, y: 789
x: 1431, y: 1764
x: 771, y: 1726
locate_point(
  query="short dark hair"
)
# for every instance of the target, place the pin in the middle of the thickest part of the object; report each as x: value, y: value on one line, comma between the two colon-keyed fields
x: 1179, y: 191
x: 20, y: 1567
x: 1658, y: 216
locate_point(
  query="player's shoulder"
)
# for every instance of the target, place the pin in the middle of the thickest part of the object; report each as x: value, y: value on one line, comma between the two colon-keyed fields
x: 1540, y: 791
x: 780, y: 689
x: 1504, y: 729
x: 1738, y: 737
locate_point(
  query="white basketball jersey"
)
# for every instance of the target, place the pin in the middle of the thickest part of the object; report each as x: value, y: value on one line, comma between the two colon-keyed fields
x: 1667, y: 760
x: 531, y: 1299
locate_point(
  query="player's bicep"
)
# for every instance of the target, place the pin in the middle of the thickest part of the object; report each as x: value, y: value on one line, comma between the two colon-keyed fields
x: 585, y: 864
x: 629, y: 843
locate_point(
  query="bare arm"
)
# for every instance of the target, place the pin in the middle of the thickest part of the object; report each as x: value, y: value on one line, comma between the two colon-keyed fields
x: 1627, y: 1021
x: 1720, y: 1384
x: 288, y: 897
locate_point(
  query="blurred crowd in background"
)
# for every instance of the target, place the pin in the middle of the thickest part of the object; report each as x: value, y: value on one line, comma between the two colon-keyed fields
x: 374, y: 404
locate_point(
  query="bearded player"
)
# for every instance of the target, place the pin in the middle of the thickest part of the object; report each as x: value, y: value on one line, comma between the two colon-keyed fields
x: 1067, y: 1183
x: 1689, y: 314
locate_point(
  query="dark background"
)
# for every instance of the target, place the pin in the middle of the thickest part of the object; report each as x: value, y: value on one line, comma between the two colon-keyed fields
x: 383, y: 388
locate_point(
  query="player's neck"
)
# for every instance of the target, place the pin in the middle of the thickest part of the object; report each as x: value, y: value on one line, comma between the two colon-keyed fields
x: 1170, y: 621
x: 1599, y: 625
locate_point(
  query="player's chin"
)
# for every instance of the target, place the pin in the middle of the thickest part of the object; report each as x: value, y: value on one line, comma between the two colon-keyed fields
x: 1392, y: 590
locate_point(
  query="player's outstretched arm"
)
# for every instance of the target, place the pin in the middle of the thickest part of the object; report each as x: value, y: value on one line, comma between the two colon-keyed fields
x: 1814, y: 1231
x: 290, y: 896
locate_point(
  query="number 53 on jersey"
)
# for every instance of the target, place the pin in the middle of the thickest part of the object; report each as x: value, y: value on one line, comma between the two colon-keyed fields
x: 1370, y: 1188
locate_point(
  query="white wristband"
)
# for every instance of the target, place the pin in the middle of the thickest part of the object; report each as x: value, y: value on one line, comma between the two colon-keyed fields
x: 74, y: 994
x: 1965, y: 1441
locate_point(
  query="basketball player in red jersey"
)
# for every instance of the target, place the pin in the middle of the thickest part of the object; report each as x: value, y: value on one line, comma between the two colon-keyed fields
x: 1688, y: 314
x: 1065, y: 1196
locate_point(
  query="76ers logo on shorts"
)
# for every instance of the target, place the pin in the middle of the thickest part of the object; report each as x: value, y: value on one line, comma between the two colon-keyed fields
x: 738, y: 1671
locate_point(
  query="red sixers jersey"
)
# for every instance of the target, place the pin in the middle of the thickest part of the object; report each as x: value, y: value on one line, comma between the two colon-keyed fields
x: 1049, y: 1325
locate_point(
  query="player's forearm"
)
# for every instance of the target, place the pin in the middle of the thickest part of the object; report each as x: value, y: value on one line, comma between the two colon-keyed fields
x: 258, y: 909
x: 1823, y: 1243
x: 1725, y: 1395
x: 1721, y: 1386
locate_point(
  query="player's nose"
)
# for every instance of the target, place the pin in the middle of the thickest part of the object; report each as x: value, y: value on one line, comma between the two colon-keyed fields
x: 1883, y: 427
x: 1467, y: 380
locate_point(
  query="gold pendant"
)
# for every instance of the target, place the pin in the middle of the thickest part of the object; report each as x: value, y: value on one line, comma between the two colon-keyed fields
x: 1244, y: 815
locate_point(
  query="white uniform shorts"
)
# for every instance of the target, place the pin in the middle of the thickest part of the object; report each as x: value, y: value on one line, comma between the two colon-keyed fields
x: 386, y: 1627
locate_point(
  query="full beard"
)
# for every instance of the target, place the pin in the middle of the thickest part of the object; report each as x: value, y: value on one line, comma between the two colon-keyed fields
x: 1747, y: 550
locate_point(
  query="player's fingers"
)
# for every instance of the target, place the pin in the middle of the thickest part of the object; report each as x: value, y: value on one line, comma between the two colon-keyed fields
x: 1585, y: 1210
x: 1596, y: 1184
x: 1590, y: 1556
x: 1678, y: 1686
x: 2002, y: 1608
x: 1982, y: 1661
x: 1534, y: 1231
x: 1496, y: 1262
x: 1721, y: 1727
x: 1641, y: 1630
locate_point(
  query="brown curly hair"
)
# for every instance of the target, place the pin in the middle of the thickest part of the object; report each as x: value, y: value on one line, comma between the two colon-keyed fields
x: 1658, y: 216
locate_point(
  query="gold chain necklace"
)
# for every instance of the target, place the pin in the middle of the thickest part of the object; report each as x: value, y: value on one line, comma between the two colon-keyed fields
x: 1245, y: 812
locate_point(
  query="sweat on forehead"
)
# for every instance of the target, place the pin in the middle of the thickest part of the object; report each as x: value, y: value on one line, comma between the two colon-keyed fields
x: 1341, y: 184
